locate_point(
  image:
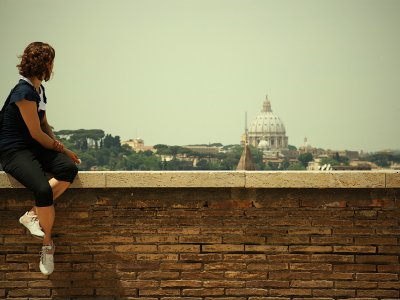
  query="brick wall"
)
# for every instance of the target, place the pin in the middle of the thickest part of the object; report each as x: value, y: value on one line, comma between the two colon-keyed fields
x: 208, y: 243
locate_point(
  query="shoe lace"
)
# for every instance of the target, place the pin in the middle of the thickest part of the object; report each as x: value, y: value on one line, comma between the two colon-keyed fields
x: 35, y: 219
x: 44, y: 254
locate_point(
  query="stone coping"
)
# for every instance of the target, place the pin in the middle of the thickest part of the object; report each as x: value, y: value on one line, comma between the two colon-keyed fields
x: 228, y: 179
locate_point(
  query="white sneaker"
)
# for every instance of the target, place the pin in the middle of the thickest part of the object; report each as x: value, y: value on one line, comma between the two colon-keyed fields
x: 46, y: 264
x: 31, y: 222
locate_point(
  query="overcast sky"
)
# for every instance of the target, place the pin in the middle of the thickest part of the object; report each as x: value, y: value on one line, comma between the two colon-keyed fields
x: 183, y: 71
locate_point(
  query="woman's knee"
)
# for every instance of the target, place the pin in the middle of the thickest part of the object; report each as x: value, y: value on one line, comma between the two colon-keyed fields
x: 44, y: 195
x: 68, y: 172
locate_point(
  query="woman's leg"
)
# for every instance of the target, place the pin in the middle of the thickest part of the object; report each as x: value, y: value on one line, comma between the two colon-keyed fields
x: 61, y: 166
x: 58, y: 187
x: 46, y: 217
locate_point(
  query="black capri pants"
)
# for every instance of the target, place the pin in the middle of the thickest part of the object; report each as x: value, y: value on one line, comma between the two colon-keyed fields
x: 29, y: 167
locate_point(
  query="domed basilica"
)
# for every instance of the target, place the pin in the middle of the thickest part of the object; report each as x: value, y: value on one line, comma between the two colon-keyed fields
x: 267, y: 131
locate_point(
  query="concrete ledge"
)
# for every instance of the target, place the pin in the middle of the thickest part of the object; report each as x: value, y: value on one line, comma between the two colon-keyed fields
x: 229, y: 179
x: 301, y: 179
x: 175, y: 179
x: 393, y: 180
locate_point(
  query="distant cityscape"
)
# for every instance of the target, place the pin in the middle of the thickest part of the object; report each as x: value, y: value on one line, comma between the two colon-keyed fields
x: 264, y: 145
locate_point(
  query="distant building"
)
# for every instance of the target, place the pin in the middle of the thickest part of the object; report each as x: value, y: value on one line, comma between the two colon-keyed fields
x: 138, y: 145
x: 267, y: 131
x: 204, y: 149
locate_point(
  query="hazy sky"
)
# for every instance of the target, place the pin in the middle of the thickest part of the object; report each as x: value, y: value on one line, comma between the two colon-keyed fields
x: 185, y: 71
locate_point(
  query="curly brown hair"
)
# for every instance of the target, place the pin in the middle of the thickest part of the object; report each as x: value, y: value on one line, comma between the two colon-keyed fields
x: 36, y: 61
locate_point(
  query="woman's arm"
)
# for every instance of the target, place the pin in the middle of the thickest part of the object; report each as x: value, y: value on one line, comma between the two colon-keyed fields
x: 46, y: 128
x: 28, y: 111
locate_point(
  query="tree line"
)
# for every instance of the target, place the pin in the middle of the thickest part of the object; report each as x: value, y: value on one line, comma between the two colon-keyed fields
x: 100, y: 151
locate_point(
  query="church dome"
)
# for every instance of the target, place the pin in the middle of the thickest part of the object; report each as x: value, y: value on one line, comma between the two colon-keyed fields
x: 266, y: 123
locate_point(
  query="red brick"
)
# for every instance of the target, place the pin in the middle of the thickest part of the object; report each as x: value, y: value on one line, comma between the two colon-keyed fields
x: 245, y: 257
x: 49, y: 283
x: 267, y: 266
x: 14, y: 267
x: 210, y: 266
x: 389, y: 285
x: 355, y: 249
x: 377, y: 259
x: 90, y: 248
x: 224, y: 284
x: 334, y: 293
x: 354, y: 268
x: 200, y: 257
x: 323, y: 204
x: 289, y: 275
x: 378, y: 293
x: 13, y: 284
x: 73, y: 292
x: 331, y: 240
x: 246, y: 292
x: 355, y: 285
x: 290, y: 292
x: 222, y: 248
x: 138, y: 266
x: 265, y: 248
x: 377, y: 276
x: 29, y: 292
x: 136, y: 248
x: 331, y: 276
x: 163, y: 257
x: 310, y: 231
x: 179, y: 248
x: 156, y: 238
x: 288, y: 240
x: 289, y: 222
x: 203, y: 292
x: 288, y: 258
x: 389, y: 249
x: 389, y: 269
x: 230, y: 204
x: 276, y: 203
x: 136, y: 284
x: 159, y: 292
x: 311, y: 284
x: 202, y: 275
x: 313, y: 249
x: 388, y: 231
x: 376, y: 241
x: 200, y: 239
x: 245, y: 275
x: 366, y: 214
x: 240, y: 239
x: 310, y: 266
x: 332, y: 258
x: 23, y: 275
x: 267, y: 283
x: 353, y: 231
x: 158, y: 275
x: 73, y: 258
x: 332, y: 222
x: 181, y: 283
x: 376, y: 223
x: 180, y: 266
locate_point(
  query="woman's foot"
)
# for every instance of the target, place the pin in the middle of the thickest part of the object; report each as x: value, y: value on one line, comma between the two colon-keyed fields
x: 46, y: 264
x: 31, y: 222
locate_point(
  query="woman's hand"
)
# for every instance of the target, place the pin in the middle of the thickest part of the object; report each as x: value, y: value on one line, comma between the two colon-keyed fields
x: 72, y: 155
x: 58, y: 146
